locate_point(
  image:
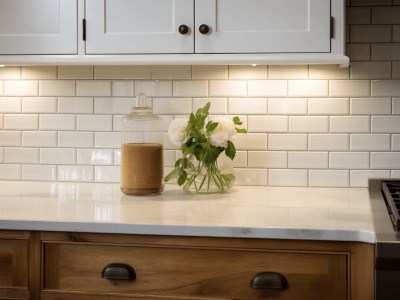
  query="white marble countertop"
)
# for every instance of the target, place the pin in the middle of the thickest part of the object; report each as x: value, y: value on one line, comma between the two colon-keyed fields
x: 339, y: 214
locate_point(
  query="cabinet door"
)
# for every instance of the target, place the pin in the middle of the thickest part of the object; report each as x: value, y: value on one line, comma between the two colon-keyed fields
x: 263, y: 26
x: 138, y: 26
x: 38, y: 26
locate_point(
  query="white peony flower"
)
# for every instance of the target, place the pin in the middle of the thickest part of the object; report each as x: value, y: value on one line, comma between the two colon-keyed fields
x: 223, y: 133
x: 177, y: 131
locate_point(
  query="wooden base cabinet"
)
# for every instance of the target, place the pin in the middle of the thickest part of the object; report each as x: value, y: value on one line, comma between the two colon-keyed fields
x: 82, y: 266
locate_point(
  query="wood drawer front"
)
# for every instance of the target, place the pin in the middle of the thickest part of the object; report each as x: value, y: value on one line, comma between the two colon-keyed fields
x: 14, y: 269
x: 193, y: 272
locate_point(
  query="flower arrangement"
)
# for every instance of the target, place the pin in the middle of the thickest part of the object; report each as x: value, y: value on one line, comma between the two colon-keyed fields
x: 202, y: 141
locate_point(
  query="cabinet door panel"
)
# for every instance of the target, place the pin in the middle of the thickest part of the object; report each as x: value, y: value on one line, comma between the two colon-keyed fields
x: 263, y: 26
x: 138, y: 26
x: 38, y: 27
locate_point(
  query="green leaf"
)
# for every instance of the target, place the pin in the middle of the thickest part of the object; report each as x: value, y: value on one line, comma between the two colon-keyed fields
x: 236, y: 121
x: 182, y: 178
x: 211, y: 126
x: 206, y: 108
x: 230, y: 151
x: 240, y: 130
x: 171, y: 175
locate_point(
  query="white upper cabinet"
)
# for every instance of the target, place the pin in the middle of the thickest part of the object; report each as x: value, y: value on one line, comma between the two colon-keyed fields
x: 38, y: 27
x: 263, y: 26
x: 139, y: 26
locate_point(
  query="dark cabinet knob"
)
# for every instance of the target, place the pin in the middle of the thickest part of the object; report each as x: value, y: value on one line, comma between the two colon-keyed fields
x: 204, y: 29
x: 269, y: 280
x: 183, y: 29
x: 117, y: 271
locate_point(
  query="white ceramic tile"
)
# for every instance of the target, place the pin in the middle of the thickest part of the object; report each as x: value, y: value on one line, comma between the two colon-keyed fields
x: 75, y: 72
x: 395, y: 174
x: 287, y: 106
x: 257, y: 177
x: 169, y: 158
x: 171, y: 72
x: 1, y: 155
x: 359, y: 178
x: 329, y: 142
x: 386, y: 15
x: 308, y: 88
x: 10, y: 138
x: 95, y: 156
x: 39, y: 139
x: 349, y: 160
x: 60, y: 156
x: 371, y: 70
x: 75, y: 173
x: 117, y: 156
x: 10, y: 172
x: 10, y: 73
x: 107, y: 174
x: 396, y: 106
x: 75, y: 139
x: 21, y: 88
x: 396, y: 64
x: 358, y: 52
x: 22, y: 122
x: 370, y: 142
x: 209, y: 72
x: 267, y: 88
x: 39, y: 72
x: 22, y: 155
x: 218, y: 105
x: 308, y: 124
x: 114, y: 105
x: 370, y: 33
x: 39, y: 105
x: 248, y: 72
x: 92, y: 88
x: 122, y: 72
x: 267, y: 159
x: 385, y: 51
x: 385, y: 124
x: 385, y: 88
x: 251, y: 141
x: 107, y: 139
x: 57, y: 88
x: 359, y: 124
x: 156, y: 88
x: 349, y: 88
x: 240, y: 160
x: 172, y: 106
x: 395, y: 142
x: 328, y: 72
x: 385, y: 160
x: 287, y: 142
x: 123, y: 88
x: 94, y: 122
x: 277, y: 177
x: 75, y: 105
x: 370, y: 106
x: 1, y: 87
x: 190, y: 88
x: 329, y: 178
x: 247, y: 106
x: 288, y: 72
x: 308, y: 160
x: 328, y: 106
x: 39, y: 172
x: 267, y: 123
x: 57, y: 122
x: 227, y: 88
x: 10, y: 105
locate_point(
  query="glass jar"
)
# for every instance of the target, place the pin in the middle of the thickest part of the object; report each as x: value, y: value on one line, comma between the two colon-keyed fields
x: 142, y: 150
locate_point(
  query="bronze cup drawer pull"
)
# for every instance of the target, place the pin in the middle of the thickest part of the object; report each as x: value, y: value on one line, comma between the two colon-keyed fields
x: 269, y: 280
x: 118, y: 271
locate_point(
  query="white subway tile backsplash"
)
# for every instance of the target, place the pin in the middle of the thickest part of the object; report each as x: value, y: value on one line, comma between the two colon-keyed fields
x: 10, y: 73
x: 308, y: 160
x: 328, y: 106
x: 75, y: 72
x: 218, y: 105
x: 287, y: 177
x: 122, y: 72
x: 94, y: 122
x: 176, y: 106
x: 39, y: 105
x: 171, y: 72
x: 21, y: 122
x: 346, y: 124
x: 288, y: 72
x: 92, y: 88
x: 396, y: 106
x: 371, y: 70
x: 110, y: 174
x: 123, y: 88
x: 386, y: 88
x: 105, y: 105
x: 56, y: 122
x: 359, y: 178
x: 349, y: 88
x: 385, y: 124
x: 228, y: 88
x: 21, y: 88
x: 267, y: 124
x: 247, y: 106
x: 349, y: 160
x: 287, y: 142
x: 39, y: 139
x: 39, y: 72
x: 385, y: 160
x: 395, y: 174
x: 385, y: 51
x: 328, y: 72
x: 75, y: 105
x: 39, y: 172
x: 10, y: 105
x: 370, y: 33
x: 56, y: 88
x: 395, y: 142
x: 287, y: 106
x: 22, y: 155
x: 251, y: 141
x: 267, y: 159
x: 75, y: 139
x: 241, y: 159
x: 329, y: 178
x: 358, y: 52
x: 10, y: 172
x: 75, y: 173
x: 190, y: 88
x: 1, y: 87
x: 154, y: 88
x: 209, y: 72
x: 59, y: 156
x: 308, y: 124
x: 10, y: 138
x: 267, y: 88
x: 329, y: 142
x: 107, y: 139
x: 370, y: 106
x: 248, y: 72
x: 251, y: 177
x: 95, y: 156
x: 308, y: 88
x: 370, y: 142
